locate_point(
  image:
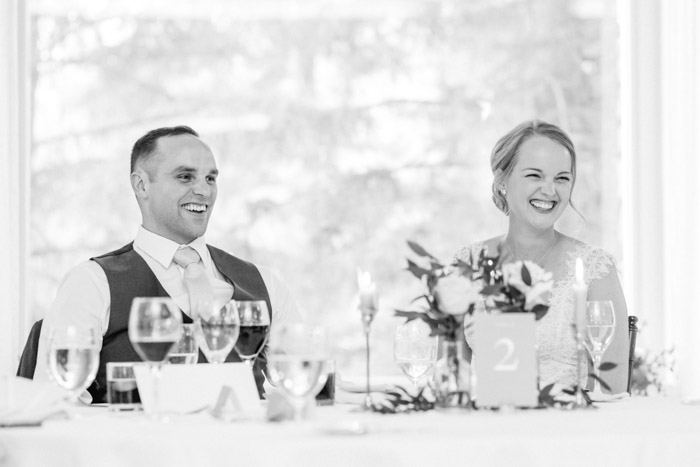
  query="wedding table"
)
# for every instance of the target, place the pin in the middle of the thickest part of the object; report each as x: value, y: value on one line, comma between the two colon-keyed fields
x: 637, y: 431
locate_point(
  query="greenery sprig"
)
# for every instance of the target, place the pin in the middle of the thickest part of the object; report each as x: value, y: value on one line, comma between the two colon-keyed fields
x: 400, y: 400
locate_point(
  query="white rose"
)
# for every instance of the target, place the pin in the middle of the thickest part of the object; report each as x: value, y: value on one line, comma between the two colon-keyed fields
x: 454, y: 294
x: 538, y: 294
x: 540, y: 282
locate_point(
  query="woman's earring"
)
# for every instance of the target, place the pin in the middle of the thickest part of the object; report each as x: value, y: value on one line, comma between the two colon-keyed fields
x: 503, y: 191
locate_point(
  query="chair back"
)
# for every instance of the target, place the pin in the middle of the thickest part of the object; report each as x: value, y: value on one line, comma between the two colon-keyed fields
x: 27, y: 362
x: 632, y: 321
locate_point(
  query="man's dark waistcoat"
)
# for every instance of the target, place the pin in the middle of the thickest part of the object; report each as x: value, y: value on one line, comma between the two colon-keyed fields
x: 129, y: 276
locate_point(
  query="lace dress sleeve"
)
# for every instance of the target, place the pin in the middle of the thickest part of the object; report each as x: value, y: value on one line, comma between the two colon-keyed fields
x: 598, y: 263
x: 466, y: 253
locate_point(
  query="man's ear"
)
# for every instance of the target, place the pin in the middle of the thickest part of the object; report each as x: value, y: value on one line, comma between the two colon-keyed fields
x: 139, y: 183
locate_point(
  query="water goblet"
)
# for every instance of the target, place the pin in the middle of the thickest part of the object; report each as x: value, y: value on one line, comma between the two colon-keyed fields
x: 600, y: 328
x: 298, y: 362
x: 73, y: 358
x: 216, y: 328
x: 155, y: 325
x: 254, y: 329
x: 415, y: 350
x: 186, y: 350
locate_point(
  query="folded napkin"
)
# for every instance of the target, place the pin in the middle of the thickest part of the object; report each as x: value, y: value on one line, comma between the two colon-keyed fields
x: 24, y: 402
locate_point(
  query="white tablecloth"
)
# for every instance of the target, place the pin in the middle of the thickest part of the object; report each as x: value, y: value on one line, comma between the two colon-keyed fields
x: 633, y: 432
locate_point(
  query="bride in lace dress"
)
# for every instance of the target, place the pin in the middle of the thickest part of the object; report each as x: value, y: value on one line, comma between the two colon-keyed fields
x: 534, y: 168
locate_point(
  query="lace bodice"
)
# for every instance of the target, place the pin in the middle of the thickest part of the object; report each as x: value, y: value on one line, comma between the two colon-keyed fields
x: 556, y: 346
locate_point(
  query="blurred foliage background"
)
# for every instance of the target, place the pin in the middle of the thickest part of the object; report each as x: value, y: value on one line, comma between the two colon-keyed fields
x: 339, y: 132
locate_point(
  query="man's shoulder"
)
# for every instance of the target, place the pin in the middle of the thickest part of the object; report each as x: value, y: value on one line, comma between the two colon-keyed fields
x: 122, y: 260
x: 129, y: 247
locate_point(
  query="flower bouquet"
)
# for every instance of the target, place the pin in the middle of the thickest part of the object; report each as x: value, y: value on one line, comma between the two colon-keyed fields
x: 452, y: 292
x: 522, y: 286
x: 457, y: 290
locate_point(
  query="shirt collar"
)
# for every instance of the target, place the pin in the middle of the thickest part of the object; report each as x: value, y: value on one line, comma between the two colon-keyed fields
x: 162, y: 249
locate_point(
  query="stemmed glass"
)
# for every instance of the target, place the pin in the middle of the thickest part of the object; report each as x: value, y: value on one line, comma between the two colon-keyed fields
x: 186, y: 350
x: 216, y: 328
x: 415, y: 351
x: 73, y: 358
x: 155, y: 325
x: 254, y: 331
x: 297, y: 362
x: 600, y: 328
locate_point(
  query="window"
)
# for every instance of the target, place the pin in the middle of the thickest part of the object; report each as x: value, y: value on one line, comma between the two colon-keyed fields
x: 339, y: 133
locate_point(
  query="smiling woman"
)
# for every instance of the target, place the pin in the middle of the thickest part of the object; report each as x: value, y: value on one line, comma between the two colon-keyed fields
x: 534, y: 168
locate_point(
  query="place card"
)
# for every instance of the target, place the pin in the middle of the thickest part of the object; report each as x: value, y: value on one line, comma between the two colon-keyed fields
x: 505, y: 360
x: 191, y: 388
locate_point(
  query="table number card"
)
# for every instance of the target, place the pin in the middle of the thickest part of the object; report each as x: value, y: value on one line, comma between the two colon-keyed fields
x: 505, y: 360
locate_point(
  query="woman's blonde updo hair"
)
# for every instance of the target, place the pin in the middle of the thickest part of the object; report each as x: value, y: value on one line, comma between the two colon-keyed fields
x: 505, y: 154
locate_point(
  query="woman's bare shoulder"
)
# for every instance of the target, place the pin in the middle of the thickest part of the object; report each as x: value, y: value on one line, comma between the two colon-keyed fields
x: 491, y: 246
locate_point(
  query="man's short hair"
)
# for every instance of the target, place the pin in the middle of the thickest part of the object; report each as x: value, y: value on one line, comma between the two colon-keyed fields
x: 146, y: 145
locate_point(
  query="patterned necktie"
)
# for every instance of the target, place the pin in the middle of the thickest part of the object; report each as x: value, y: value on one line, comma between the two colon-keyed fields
x: 195, y: 277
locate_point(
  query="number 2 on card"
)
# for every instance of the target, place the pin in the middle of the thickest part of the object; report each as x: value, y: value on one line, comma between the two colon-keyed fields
x: 508, y: 362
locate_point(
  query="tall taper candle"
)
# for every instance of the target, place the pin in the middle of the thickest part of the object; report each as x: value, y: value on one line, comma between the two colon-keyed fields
x: 368, y: 293
x: 580, y: 294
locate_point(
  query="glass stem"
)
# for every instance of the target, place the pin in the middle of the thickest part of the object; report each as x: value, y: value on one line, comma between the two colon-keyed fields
x: 597, y: 358
x: 156, y: 372
x: 299, y: 406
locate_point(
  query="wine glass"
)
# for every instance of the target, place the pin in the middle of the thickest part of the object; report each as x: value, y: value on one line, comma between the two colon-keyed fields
x: 155, y: 325
x: 254, y: 330
x: 298, y: 356
x: 186, y: 350
x: 600, y: 327
x: 216, y: 328
x: 415, y: 350
x: 74, y: 358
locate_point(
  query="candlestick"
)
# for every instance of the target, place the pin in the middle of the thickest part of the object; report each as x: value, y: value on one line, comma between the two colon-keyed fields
x: 368, y: 307
x: 580, y: 293
x: 368, y: 296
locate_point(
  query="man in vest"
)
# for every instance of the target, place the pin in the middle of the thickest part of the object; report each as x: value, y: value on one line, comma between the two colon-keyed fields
x: 174, y: 178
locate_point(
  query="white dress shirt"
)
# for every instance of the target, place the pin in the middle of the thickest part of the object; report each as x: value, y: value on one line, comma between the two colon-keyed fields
x: 83, y: 297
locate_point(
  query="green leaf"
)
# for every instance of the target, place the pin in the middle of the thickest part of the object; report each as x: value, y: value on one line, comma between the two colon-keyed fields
x: 540, y: 311
x: 419, y: 250
x: 409, y: 315
x: 491, y: 290
x: 603, y: 384
x: 416, y: 270
x: 527, y: 279
x: 607, y: 366
x: 463, y: 267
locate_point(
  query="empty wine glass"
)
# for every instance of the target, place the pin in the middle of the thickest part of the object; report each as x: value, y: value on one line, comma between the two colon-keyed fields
x: 216, y: 328
x: 600, y: 328
x: 298, y: 356
x: 155, y: 325
x: 254, y: 331
x: 73, y: 358
x: 186, y: 350
x: 415, y: 350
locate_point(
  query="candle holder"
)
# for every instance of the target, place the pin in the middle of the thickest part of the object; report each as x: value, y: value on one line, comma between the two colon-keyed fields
x: 580, y: 401
x: 368, y: 309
